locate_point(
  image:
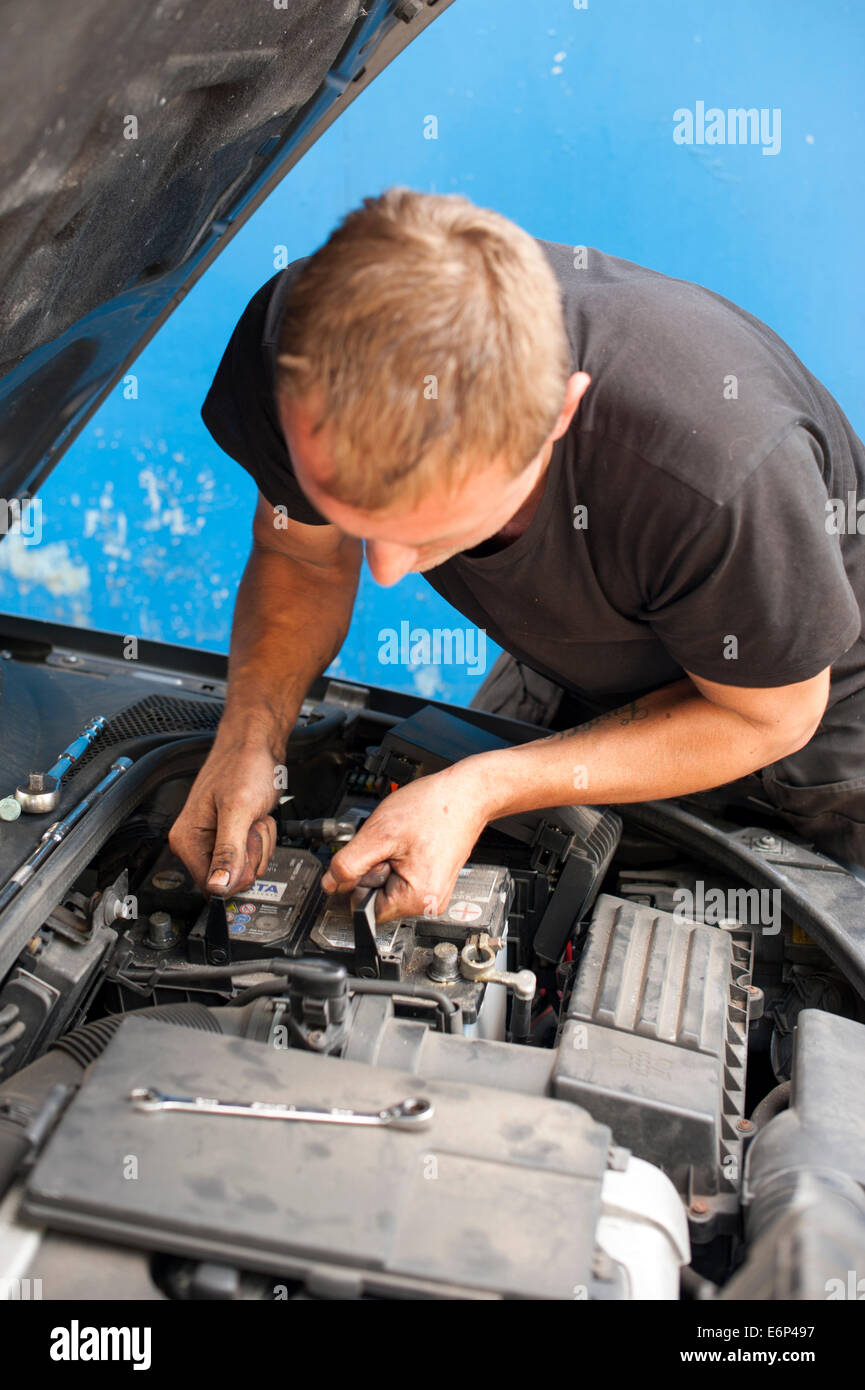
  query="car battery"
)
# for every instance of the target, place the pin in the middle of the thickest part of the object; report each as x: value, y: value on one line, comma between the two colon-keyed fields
x: 278, y: 906
x: 479, y: 903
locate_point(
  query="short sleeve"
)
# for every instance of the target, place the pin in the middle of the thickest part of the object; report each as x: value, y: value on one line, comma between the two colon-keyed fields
x: 239, y: 410
x: 758, y: 596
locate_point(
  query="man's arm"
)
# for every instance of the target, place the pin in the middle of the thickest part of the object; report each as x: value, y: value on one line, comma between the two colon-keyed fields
x: 690, y: 736
x: 292, y: 614
x: 685, y: 738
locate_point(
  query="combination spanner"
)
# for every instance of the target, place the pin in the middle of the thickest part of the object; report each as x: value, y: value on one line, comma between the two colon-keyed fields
x: 413, y: 1113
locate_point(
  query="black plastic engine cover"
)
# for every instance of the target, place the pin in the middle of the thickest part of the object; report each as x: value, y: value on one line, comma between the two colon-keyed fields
x: 399, y: 1210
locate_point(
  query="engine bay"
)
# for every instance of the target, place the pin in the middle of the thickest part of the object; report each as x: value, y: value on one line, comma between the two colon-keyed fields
x: 594, y: 1083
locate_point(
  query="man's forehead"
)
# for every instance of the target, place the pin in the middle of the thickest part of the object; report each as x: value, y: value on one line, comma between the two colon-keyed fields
x: 310, y: 460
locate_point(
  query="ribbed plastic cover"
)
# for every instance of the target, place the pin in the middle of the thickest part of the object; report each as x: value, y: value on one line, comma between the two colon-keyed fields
x: 670, y: 1081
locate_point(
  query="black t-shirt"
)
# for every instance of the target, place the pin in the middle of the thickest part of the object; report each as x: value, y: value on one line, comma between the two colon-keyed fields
x: 684, y: 522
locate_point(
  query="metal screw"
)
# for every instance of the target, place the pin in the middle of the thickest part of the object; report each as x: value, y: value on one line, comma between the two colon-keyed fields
x: 745, y: 1126
x: 699, y: 1208
x: 315, y: 1038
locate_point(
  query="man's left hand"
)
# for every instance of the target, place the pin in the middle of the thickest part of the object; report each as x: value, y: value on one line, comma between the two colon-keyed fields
x: 425, y: 832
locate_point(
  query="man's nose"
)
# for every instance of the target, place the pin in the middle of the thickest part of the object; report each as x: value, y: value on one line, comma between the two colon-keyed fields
x: 388, y: 563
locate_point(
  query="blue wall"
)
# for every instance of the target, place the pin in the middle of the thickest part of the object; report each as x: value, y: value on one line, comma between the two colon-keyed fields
x: 563, y: 120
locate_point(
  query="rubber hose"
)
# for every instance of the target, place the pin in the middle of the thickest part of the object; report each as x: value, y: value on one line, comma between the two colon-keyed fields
x: 89, y: 1041
x: 772, y: 1104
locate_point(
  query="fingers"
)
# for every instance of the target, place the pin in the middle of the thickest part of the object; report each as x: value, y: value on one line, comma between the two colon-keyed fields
x: 351, y: 868
x: 395, y: 899
x: 209, y: 865
x: 240, y: 849
x: 375, y: 877
x: 194, y: 849
x: 265, y: 830
x: 193, y: 845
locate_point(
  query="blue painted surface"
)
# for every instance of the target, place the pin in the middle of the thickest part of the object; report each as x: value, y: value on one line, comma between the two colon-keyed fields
x: 563, y: 120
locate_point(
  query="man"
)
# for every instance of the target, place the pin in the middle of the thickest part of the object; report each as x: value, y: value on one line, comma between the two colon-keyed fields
x: 625, y: 479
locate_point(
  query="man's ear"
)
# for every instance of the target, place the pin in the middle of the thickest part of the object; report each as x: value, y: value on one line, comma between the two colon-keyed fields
x: 576, y: 388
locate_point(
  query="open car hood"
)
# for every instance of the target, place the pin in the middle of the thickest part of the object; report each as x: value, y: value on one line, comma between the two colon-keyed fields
x: 136, y: 137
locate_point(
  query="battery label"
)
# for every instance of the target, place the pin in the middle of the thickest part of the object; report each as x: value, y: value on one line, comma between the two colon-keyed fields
x: 464, y: 911
x: 266, y: 890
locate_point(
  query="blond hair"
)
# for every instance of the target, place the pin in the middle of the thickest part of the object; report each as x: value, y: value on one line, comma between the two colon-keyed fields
x: 428, y: 334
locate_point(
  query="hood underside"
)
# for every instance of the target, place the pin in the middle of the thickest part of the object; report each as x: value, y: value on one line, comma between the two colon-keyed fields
x: 136, y: 137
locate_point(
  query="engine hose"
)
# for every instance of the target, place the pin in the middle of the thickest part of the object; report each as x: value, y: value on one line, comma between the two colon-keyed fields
x: 89, y: 1041
x: 772, y: 1105
x: 521, y: 1019
x: 23, y: 1095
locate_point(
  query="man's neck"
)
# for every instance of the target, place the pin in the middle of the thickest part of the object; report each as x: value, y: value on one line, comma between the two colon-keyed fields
x: 522, y: 517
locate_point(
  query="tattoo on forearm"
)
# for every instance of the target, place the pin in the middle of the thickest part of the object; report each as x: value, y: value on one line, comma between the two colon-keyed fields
x: 626, y: 714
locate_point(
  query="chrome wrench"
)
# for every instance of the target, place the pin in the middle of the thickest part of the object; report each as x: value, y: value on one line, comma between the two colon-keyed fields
x: 413, y: 1113
x: 41, y: 791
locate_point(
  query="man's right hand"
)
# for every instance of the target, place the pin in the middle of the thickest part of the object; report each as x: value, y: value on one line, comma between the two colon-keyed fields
x: 224, y: 834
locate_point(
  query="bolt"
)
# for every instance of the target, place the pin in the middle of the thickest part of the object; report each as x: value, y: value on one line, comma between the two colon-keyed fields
x: 162, y: 931
x: 406, y: 11
x: 35, y: 782
x: 218, y: 957
x: 445, y: 962
x: 767, y: 842
x: 699, y: 1208
x: 315, y: 1038
x: 757, y: 1002
x: 745, y: 1126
